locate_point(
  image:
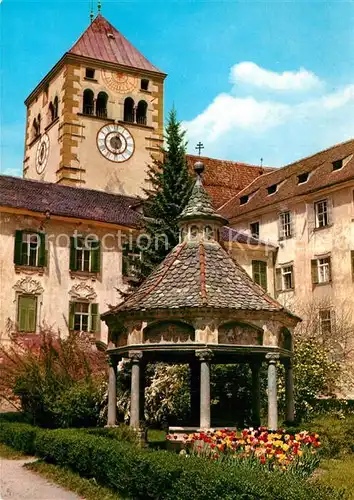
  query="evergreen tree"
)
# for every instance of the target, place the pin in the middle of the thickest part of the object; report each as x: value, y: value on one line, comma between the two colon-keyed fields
x: 168, y: 192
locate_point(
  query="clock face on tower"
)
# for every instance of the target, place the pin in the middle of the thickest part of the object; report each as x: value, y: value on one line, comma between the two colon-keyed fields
x: 42, y: 154
x: 115, y: 143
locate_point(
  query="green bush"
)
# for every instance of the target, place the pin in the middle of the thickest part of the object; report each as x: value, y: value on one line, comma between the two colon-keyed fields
x: 59, y: 382
x: 120, y: 433
x: 160, y: 475
x: 19, y: 436
x: 336, y: 434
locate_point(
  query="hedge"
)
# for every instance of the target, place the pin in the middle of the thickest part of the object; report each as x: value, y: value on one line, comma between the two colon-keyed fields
x: 139, y: 473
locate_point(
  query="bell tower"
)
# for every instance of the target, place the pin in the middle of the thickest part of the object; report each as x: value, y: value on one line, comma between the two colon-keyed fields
x: 96, y: 118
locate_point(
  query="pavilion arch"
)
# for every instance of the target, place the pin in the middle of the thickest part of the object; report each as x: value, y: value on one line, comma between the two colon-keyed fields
x: 101, y: 104
x: 129, y: 110
x: 239, y: 333
x: 285, y: 339
x: 168, y: 332
x: 88, y: 102
x: 141, y: 113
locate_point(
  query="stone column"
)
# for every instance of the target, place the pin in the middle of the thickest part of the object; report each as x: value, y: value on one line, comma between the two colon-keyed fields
x: 112, y: 392
x: 135, y: 357
x: 205, y: 356
x: 272, y: 359
x: 142, y: 391
x: 195, y: 392
x: 289, y: 391
x: 256, y: 393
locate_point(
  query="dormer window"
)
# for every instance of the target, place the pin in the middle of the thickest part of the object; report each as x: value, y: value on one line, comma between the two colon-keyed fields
x: 272, y: 189
x: 90, y: 73
x: 302, y: 178
x: 208, y: 233
x: 194, y: 232
x: 244, y: 199
x: 144, y: 84
x: 337, y: 165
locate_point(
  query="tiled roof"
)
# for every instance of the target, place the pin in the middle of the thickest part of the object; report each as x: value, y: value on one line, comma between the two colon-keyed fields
x: 102, y: 41
x: 67, y: 201
x: 198, y: 275
x: 286, y: 184
x: 230, y: 235
x: 223, y: 179
x: 200, y: 205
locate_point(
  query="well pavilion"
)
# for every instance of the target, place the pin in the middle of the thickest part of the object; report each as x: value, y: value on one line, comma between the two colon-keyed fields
x: 200, y: 307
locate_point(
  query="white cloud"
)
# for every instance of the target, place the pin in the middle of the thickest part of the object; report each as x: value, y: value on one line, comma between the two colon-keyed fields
x: 251, y: 74
x: 279, y: 130
x: 227, y: 112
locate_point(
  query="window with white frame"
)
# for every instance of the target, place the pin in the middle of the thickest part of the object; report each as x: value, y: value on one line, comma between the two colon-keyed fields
x: 254, y: 228
x: 321, y: 270
x: 322, y: 213
x: 285, y: 225
x: 30, y: 249
x: 285, y: 278
x: 325, y: 321
x: 85, y: 254
x: 259, y: 273
x: 83, y: 317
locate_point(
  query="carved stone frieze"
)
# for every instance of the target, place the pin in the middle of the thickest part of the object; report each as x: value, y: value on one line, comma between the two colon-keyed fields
x: 165, y: 333
x: 239, y: 334
x: 28, y: 286
x: 82, y: 291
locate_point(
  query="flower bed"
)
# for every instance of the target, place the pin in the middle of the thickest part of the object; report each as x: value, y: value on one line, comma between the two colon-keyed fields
x: 272, y: 449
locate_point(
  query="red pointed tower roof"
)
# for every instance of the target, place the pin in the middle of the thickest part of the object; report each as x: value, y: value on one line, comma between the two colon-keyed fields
x: 102, y: 41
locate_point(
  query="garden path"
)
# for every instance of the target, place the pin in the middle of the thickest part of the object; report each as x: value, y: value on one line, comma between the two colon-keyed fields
x: 18, y: 483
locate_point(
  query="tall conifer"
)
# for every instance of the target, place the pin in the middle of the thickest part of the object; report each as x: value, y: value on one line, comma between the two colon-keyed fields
x: 169, y: 187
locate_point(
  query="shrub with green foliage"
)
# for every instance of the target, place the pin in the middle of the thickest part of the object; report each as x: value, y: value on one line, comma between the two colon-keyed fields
x: 138, y: 473
x: 58, y: 382
x: 336, y: 434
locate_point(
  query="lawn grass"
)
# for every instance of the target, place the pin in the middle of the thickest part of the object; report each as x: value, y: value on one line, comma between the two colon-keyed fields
x: 339, y: 472
x: 85, y: 488
x: 156, y: 439
x: 10, y: 453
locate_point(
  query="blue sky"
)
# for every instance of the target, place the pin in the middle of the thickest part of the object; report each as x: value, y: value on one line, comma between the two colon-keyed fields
x: 249, y: 79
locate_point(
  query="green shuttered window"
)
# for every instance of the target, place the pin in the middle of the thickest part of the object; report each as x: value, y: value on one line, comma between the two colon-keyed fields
x: 85, y: 254
x: 84, y: 317
x: 259, y: 273
x: 30, y: 249
x: 27, y: 313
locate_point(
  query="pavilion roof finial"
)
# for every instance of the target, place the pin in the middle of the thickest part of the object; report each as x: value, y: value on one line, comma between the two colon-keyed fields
x: 199, y: 204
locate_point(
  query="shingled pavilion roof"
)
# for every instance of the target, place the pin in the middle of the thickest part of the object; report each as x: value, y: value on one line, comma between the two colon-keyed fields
x: 199, y: 274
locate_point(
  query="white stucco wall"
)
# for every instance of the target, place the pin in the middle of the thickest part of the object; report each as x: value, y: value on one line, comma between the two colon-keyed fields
x: 56, y: 281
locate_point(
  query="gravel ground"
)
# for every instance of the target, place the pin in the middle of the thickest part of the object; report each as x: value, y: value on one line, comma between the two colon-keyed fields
x: 18, y: 483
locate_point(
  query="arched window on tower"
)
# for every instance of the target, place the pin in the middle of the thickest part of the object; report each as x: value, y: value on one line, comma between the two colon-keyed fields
x: 39, y: 123
x: 129, y: 110
x: 56, y: 106
x: 35, y: 128
x: 141, y: 111
x: 101, y: 104
x: 87, y: 107
x: 51, y: 112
